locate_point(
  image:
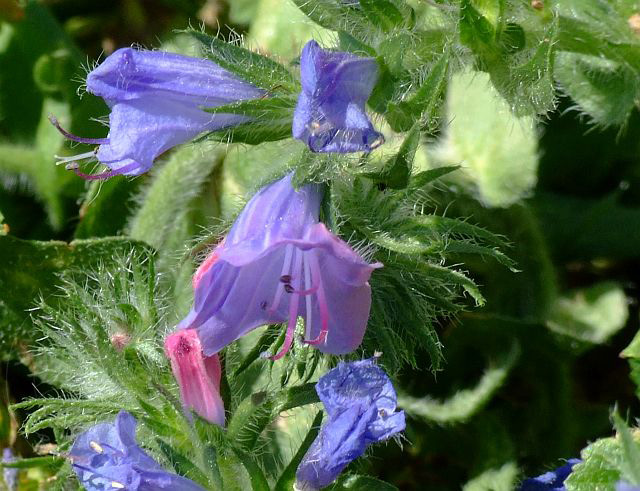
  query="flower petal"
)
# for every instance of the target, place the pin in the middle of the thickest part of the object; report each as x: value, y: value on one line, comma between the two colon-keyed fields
x: 330, y: 114
x: 141, y: 129
x: 130, y: 74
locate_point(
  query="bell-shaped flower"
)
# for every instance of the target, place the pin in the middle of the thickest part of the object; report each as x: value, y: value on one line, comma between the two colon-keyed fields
x: 330, y: 115
x: 278, y: 263
x: 107, y: 457
x: 550, y: 481
x: 198, y: 376
x: 361, y: 404
x: 156, y: 100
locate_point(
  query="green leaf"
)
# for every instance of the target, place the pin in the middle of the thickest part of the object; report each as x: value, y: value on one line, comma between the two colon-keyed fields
x: 271, y: 120
x: 182, y: 464
x: 498, y: 151
x: 267, y: 339
x: 425, y: 103
x: 361, y: 483
x: 423, y: 178
x: 591, y: 314
x: 600, y: 467
x: 167, y: 199
x: 34, y: 462
x: 398, y: 169
x: 287, y: 479
x: 334, y: 15
x: 630, y: 465
x: 603, y: 89
x: 382, y: 14
x: 280, y: 28
x: 480, y: 24
x: 467, y: 402
x: 30, y: 270
x: 258, y: 480
x: 497, y: 479
x: 248, y: 65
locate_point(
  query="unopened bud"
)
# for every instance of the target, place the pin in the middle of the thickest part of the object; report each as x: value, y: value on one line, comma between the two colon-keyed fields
x: 119, y: 340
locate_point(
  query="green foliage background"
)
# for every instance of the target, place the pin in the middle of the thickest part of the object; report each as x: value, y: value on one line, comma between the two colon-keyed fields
x: 505, y: 205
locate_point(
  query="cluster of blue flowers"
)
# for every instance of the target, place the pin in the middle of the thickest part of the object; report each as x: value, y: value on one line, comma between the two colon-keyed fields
x: 158, y: 101
x: 277, y: 263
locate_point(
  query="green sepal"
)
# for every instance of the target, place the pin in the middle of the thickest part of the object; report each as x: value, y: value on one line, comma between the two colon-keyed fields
x: 271, y: 120
x: 256, y: 475
x: 424, y: 103
x: 396, y: 173
x: 255, y: 68
x: 182, y: 464
x: 382, y: 14
x: 287, y: 479
x: 480, y: 25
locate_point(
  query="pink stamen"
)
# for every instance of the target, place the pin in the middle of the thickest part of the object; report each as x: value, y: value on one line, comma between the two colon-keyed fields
x: 286, y: 267
x: 106, y: 174
x: 322, y: 302
x: 75, y: 138
x: 293, y: 312
x: 310, y: 291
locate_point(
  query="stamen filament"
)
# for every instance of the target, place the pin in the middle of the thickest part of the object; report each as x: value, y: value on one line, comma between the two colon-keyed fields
x: 322, y: 302
x: 106, y: 174
x: 286, y: 269
x: 293, y: 310
x: 308, y: 321
x: 75, y: 138
x: 73, y: 158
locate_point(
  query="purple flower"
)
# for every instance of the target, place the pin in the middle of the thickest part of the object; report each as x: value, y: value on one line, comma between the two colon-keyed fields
x: 361, y: 404
x: 625, y: 486
x: 106, y: 457
x: 330, y: 115
x: 156, y: 100
x: 550, y: 481
x: 9, y: 474
x: 277, y: 263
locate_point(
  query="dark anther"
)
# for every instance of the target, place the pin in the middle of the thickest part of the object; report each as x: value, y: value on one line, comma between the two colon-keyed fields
x: 263, y: 305
x: 288, y: 288
x: 285, y: 278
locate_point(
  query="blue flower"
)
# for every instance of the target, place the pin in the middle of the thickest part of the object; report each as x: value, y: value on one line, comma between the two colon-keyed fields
x: 156, y: 101
x: 550, y: 481
x: 9, y: 474
x: 625, y: 486
x: 361, y: 404
x: 330, y: 115
x: 106, y: 457
x: 277, y: 263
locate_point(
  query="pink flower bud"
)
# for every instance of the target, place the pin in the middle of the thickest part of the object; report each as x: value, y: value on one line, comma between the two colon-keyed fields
x: 198, y: 376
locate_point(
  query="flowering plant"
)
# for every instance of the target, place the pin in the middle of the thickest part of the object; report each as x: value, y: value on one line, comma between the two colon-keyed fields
x: 319, y: 244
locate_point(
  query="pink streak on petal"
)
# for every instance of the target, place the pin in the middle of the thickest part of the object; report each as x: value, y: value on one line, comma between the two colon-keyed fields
x: 206, y: 265
x: 198, y: 376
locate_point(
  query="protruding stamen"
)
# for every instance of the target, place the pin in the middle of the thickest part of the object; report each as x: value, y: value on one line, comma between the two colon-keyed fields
x: 293, y: 310
x: 75, y: 138
x: 74, y: 158
x: 308, y: 321
x: 106, y: 174
x: 322, y: 302
x: 286, y: 267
